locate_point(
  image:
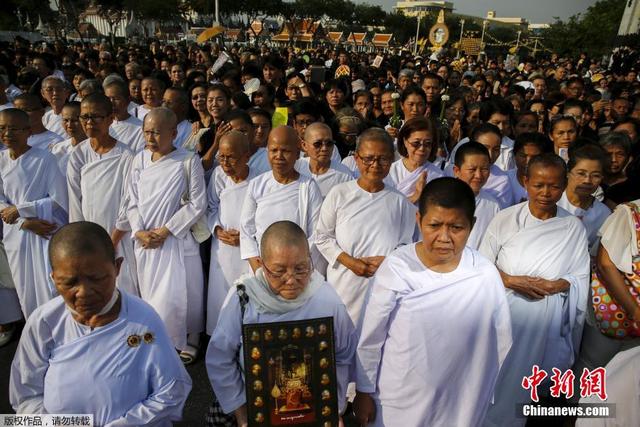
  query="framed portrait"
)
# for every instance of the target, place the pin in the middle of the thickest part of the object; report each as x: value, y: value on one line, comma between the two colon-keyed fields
x: 290, y: 373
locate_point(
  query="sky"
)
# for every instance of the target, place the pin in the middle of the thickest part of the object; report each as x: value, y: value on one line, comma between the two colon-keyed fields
x: 535, y: 11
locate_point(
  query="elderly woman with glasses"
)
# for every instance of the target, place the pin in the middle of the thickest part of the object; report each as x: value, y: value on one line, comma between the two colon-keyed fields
x: 284, y: 288
x: 370, y: 204
x: 417, y: 143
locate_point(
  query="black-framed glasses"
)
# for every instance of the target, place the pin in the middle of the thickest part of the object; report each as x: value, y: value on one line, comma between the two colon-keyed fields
x: 94, y: 117
x: 370, y: 160
x: 299, y: 273
x: 319, y: 144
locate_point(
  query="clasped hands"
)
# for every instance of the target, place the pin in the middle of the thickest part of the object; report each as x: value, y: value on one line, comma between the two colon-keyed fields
x: 154, y: 238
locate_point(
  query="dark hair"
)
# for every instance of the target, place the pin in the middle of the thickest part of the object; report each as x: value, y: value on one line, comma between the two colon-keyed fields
x: 588, y: 151
x: 559, y: 119
x: 72, y: 104
x: 431, y: 76
x: 220, y: 88
x: 540, y: 140
x: 412, y: 90
x: 484, y: 128
x: 274, y: 61
x: 573, y: 103
x: 493, y: 106
x: 238, y: 114
x: 547, y: 160
x: 255, y: 111
x: 306, y: 106
x: 471, y: 148
x: 241, y: 100
x: 448, y: 193
x: 415, y: 125
x: 82, y: 237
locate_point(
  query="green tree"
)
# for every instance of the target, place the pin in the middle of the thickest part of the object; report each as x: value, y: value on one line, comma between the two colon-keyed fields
x: 592, y: 32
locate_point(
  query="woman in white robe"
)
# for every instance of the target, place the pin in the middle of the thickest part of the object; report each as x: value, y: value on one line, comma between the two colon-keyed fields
x: 167, y: 255
x: 96, y: 350
x: 417, y: 142
x: 436, y: 325
x: 541, y: 252
x: 33, y: 203
x: 285, y: 288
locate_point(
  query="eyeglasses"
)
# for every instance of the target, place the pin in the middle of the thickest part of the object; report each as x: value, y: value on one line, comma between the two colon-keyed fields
x: 426, y: 143
x: 95, y: 118
x: 4, y: 129
x: 227, y: 159
x: 319, y: 144
x: 299, y: 273
x: 348, y: 134
x: 370, y: 160
x: 584, y: 175
x: 70, y: 120
x: 53, y: 89
x: 304, y: 123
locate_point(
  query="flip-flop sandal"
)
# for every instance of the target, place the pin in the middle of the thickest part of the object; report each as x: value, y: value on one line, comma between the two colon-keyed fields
x: 189, y: 355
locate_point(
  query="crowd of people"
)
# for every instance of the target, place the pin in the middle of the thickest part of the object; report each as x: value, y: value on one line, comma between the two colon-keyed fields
x: 462, y: 221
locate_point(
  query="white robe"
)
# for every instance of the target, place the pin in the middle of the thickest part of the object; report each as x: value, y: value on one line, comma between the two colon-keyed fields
x: 225, y: 199
x: 44, y: 140
x: 519, y: 193
x: 170, y: 277
x: 486, y: 208
x: 592, y: 218
x: 361, y: 224
x: 184, y: 132
x: 53, y: 122
x: 350, y: 163
x: 267, y: 201
x: 98, y: 185
x: 546, y: 332
x: 129, y: 132
x: 432, y: 344
x: 63, y: 367
x: 499, y: 187
x: 62, y: 150
x: 33, y: 183
x: 259, y: 161
x: 623, y: 391
x: 132, y: 107
x: 226, y: 343
x: 405, y: 181
x: 336, y: 174
x: 140, y: 112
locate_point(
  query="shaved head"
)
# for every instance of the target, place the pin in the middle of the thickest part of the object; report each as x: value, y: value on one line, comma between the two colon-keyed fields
x: 237, y: 141
x: 17, y: 116
x: 81, y: 239
x: 283, y: 135
x: 316, y: 127
x: 163, y: 115
x: 99, y: 100
x: 283, y: 233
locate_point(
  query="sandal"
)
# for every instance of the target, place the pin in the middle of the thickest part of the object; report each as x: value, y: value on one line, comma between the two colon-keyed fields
x: 189, y: 355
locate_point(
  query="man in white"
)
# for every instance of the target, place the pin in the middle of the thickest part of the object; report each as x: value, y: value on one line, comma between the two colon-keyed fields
x: 319, y: 145
x: 362, y: 221
x: 33, y: 204
x: 152, y: 90
x: 177, y: 100
x: 436, y: 325
x: 97, y: 178
x: 472, y: 166
x: 40, y: 137
x: 125, y: 128
x: 284, y: 288
x: 541, y: 252
x: 277, y: 195
x: 70, y: 357
x: 55, y: 92
x: 167, y: 196
x: 226, y: 192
